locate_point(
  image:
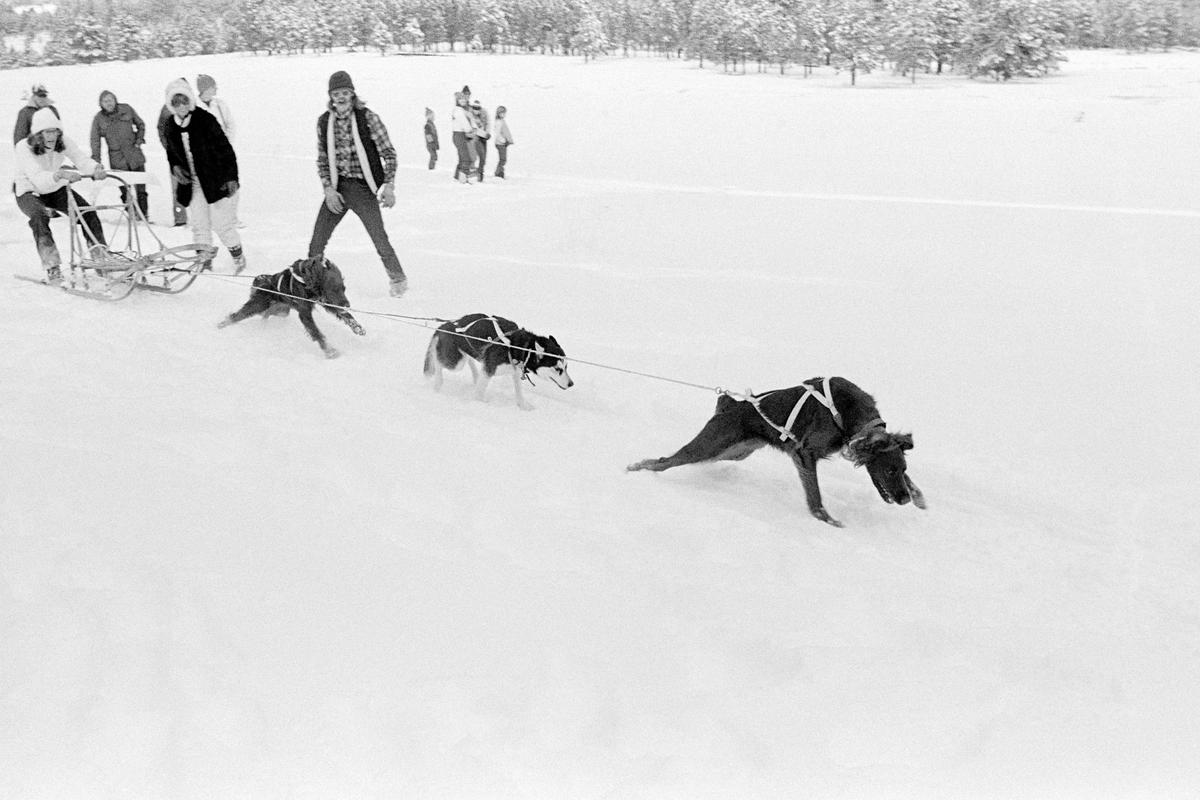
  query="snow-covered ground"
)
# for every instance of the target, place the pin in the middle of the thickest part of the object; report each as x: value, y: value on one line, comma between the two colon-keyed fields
x: 230, y: 568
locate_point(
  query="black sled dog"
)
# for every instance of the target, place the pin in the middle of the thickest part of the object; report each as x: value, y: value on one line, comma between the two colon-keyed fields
x: 491, y: 343
x: 306, y: 282
x: 808, y: 422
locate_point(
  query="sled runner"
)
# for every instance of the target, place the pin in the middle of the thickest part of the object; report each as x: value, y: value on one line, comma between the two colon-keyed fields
x: 135, y: 257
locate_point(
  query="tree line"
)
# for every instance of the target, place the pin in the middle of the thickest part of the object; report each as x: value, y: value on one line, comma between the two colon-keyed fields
x: 994, y: 38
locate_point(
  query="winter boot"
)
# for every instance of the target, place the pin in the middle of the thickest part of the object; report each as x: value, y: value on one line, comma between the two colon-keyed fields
x: 398, y: 287
x: 54, y: 275
x: 239, y: 260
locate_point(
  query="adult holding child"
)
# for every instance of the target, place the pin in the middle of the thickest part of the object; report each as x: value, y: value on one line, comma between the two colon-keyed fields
x: 356, y: 163
x: 42, y: 184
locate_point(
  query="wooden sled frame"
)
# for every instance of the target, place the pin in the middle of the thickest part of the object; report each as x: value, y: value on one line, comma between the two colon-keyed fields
x: 112, y: 272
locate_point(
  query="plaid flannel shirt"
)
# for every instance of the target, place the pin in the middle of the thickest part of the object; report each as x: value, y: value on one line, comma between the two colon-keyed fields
x: 348, y: 165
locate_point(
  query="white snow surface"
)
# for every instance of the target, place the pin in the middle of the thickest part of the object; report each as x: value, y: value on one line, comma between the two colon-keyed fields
x: 231, y: 568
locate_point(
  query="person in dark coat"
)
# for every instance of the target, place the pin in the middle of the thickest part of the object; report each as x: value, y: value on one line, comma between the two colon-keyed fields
x: 120, y: 127
x: 39, y: 98
x: 356, y: 163
x: 205, y: 167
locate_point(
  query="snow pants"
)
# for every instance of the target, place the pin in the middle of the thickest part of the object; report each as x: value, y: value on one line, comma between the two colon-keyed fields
x: 221, y: 216
x: 39, y: 207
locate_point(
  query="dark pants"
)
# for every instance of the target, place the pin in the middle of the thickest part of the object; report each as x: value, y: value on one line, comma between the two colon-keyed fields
x: 432, y: 155
x: 481, y: 151
x: 38, y: 207
x: 357, y: 197
x: 143, y: 201
x: 502, y: 151
x: 465, y: 160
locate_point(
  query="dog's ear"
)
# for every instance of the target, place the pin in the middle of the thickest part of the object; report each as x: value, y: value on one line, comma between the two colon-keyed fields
x: 866, y: 446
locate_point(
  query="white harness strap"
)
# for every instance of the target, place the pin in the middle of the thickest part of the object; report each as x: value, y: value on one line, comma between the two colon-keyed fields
x: 495, y: 324
x: 824, y: 397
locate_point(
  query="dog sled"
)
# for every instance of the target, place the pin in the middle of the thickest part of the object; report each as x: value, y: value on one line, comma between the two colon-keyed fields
x: 134, y: 257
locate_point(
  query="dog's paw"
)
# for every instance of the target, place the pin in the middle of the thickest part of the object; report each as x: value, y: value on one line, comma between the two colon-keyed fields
x: 332, y: 352
x: 225, y: 322
x: 359, y: 329
x: 651, y: 464
x: 823, y: 515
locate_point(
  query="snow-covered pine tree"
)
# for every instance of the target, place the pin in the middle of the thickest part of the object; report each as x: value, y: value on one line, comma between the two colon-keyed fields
x: 1012, y: 38
x: 412, y: 35
x: 492, y: 24
x: 381, y: 36
x: 775, y: 34
x: 910, y: 35
x: 950, y: 30
x: 86, y: 39
x: 589, y: 39
x: 857, y: 38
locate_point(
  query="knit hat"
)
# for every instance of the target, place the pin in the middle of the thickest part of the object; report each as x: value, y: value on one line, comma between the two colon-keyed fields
x: 44, y: 119
x: 466, y: 89
x: 340, y: 80
x: 38, y: 89
x: 205, y: 82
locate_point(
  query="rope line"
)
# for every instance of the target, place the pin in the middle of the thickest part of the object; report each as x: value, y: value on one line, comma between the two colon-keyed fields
x: 423, y: 322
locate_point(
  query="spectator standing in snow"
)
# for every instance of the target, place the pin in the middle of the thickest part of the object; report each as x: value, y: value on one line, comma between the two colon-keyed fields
x: 41, y: 184
x: 206, y: 170
x: 179, y: 212
x: 481, y: 131
x: 206, y: 90
x: 431, y: 138
x: 120, y: 127
x: 356, y: 163
x: 503, y: 139
x: 39, y: 98
x: 460, y: 125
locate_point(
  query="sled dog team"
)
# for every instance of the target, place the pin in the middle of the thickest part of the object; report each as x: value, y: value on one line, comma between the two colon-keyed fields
x: 840, y: 417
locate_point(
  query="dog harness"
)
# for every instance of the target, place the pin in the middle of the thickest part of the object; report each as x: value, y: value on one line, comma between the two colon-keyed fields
x: 504, y: 340
x: 824, y: 396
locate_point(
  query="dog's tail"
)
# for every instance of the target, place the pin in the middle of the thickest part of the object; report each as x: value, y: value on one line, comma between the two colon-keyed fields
x: 430, y: 355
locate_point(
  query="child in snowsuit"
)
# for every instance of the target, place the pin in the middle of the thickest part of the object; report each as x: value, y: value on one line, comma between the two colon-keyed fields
x: 431, y: 138
x: 503, y: 139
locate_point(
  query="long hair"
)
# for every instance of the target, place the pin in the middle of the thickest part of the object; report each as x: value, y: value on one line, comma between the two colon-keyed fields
x: 37, y: 143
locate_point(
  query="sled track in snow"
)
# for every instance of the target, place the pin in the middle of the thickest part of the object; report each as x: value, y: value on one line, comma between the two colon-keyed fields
x: 605, y: 184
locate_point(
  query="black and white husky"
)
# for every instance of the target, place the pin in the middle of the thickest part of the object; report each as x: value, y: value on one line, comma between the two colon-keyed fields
x: 488, y: 343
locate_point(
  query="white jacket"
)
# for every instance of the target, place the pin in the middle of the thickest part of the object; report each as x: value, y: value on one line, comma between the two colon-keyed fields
x: 36, y: 173
x: 460, y: 120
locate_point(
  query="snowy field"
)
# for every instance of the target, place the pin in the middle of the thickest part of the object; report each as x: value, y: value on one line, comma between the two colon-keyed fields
x: 231, y: 568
